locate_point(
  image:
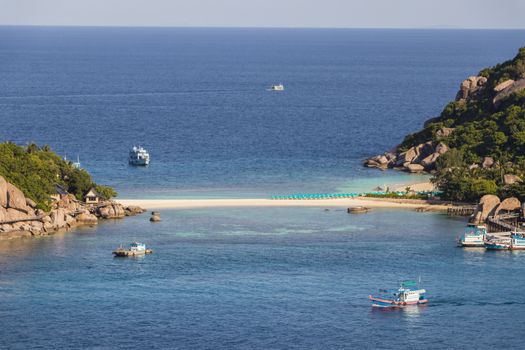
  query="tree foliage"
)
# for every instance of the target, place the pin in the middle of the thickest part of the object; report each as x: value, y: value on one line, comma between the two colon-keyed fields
x: 481, y: 129
x: 36, y: 171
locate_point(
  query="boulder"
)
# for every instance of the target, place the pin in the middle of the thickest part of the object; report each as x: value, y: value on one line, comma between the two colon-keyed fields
x: 155, y: 217
x: 441, y: 148
x: 87, y: 218
x: 470, y: 87
x: 502, y: 86
x: 407, y: 156
x: 423, y: 150
x: 486, y: 207
x: 134, y: 210
x: 444, y: 132
x: 509, y: 179
x: 15, y: 198
x: 511, y: 89
x: 15, y: 214
x: 508, y: 204
x: 58, y: 218
x: 111, y: 211
x: 3, y: 213
x: 3, y: 192
x: 488, y: 162
x: 430, y: 161
x: 415, y: 168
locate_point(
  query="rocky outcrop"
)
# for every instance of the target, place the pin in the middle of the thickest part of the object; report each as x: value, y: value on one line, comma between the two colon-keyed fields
x: 470, y: 88
x: 20, y: 218
x: 509, y: 179
x: 444, y: 132
x: 486, y: 207
x: 416, y: 159
x: 508, y: 88
x: 502, y: 86
x: 111, y: 210
x: 133, y: 210
x: 508, y: 205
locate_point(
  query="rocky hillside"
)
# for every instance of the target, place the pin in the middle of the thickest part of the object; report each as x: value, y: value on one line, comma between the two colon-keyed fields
x: 36, y: 172
x: 20, y: 217
x: 477, y: 145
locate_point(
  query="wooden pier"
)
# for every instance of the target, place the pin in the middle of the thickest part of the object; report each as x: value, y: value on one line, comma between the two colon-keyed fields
x: 503, y: 223
x: 461, y: 211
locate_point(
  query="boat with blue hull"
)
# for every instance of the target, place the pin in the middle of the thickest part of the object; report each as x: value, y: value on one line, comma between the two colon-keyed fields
x: 498, y: 243
x: 407, y: 294
x: 473, y: 236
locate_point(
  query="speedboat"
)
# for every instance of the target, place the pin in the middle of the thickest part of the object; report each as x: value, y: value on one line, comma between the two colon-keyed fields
x: 473, y: 236
x: 407, y: 294
x: 138, y: 156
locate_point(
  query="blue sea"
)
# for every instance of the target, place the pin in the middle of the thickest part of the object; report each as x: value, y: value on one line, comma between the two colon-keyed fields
x: 250, y: 278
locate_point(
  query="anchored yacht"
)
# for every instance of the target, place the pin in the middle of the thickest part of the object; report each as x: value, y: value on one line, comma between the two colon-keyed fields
x: 138, y: 156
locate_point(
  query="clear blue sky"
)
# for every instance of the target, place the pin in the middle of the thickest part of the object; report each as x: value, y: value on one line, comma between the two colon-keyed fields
x: 268, y: 13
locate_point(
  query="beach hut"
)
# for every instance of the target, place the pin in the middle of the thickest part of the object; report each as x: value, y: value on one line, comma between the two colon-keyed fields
x: 92, y: 197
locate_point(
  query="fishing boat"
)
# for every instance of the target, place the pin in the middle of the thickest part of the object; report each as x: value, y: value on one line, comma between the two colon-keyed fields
x: 517, y: 241
x: 278, y: 87
x: 473, y: 236
x: 498, y: 243
x: 138, y: 156
x: 135, y: 249
x: 407, y: 294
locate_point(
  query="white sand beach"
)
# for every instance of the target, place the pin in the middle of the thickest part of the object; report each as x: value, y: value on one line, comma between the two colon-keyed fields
x: 261, y: 202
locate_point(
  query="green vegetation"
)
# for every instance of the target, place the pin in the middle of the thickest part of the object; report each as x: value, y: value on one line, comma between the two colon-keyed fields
x: 482, y: 128
x: 395, y: 195
x: 36, y: 171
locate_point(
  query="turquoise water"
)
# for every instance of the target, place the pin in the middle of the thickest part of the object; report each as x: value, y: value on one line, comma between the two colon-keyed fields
x: 259, y: 278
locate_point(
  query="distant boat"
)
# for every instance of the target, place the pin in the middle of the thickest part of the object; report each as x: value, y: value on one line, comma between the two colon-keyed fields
x: 138, y: 156
x: 278, y: 87
x: 473, y: 236
x: 402, y: 297
x: 135, y: 249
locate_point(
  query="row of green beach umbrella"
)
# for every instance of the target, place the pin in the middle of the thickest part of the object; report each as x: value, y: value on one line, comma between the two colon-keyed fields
x: 348, y: 195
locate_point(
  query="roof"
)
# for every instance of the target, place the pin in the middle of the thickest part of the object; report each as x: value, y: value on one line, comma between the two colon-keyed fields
x: 92, y: 193
x: 60, y: 190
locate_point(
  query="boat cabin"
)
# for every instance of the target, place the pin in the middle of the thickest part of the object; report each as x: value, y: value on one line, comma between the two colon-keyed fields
x: 92, y: 197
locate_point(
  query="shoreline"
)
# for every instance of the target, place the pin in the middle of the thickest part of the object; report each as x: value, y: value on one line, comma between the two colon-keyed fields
x: 150, y: 204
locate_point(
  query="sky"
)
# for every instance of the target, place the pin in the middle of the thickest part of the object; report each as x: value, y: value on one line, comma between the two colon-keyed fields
x: 500, y: 14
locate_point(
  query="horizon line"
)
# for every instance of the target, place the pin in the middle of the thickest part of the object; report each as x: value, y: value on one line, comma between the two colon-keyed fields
x: 255, y: 27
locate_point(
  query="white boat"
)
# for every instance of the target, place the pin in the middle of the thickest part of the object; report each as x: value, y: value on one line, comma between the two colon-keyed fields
x: 135, y: 249
x: 517, y: 241
x: 138, y: 156
x: 278, y: 87
x: 402, y: 297
x: 473, y: 236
